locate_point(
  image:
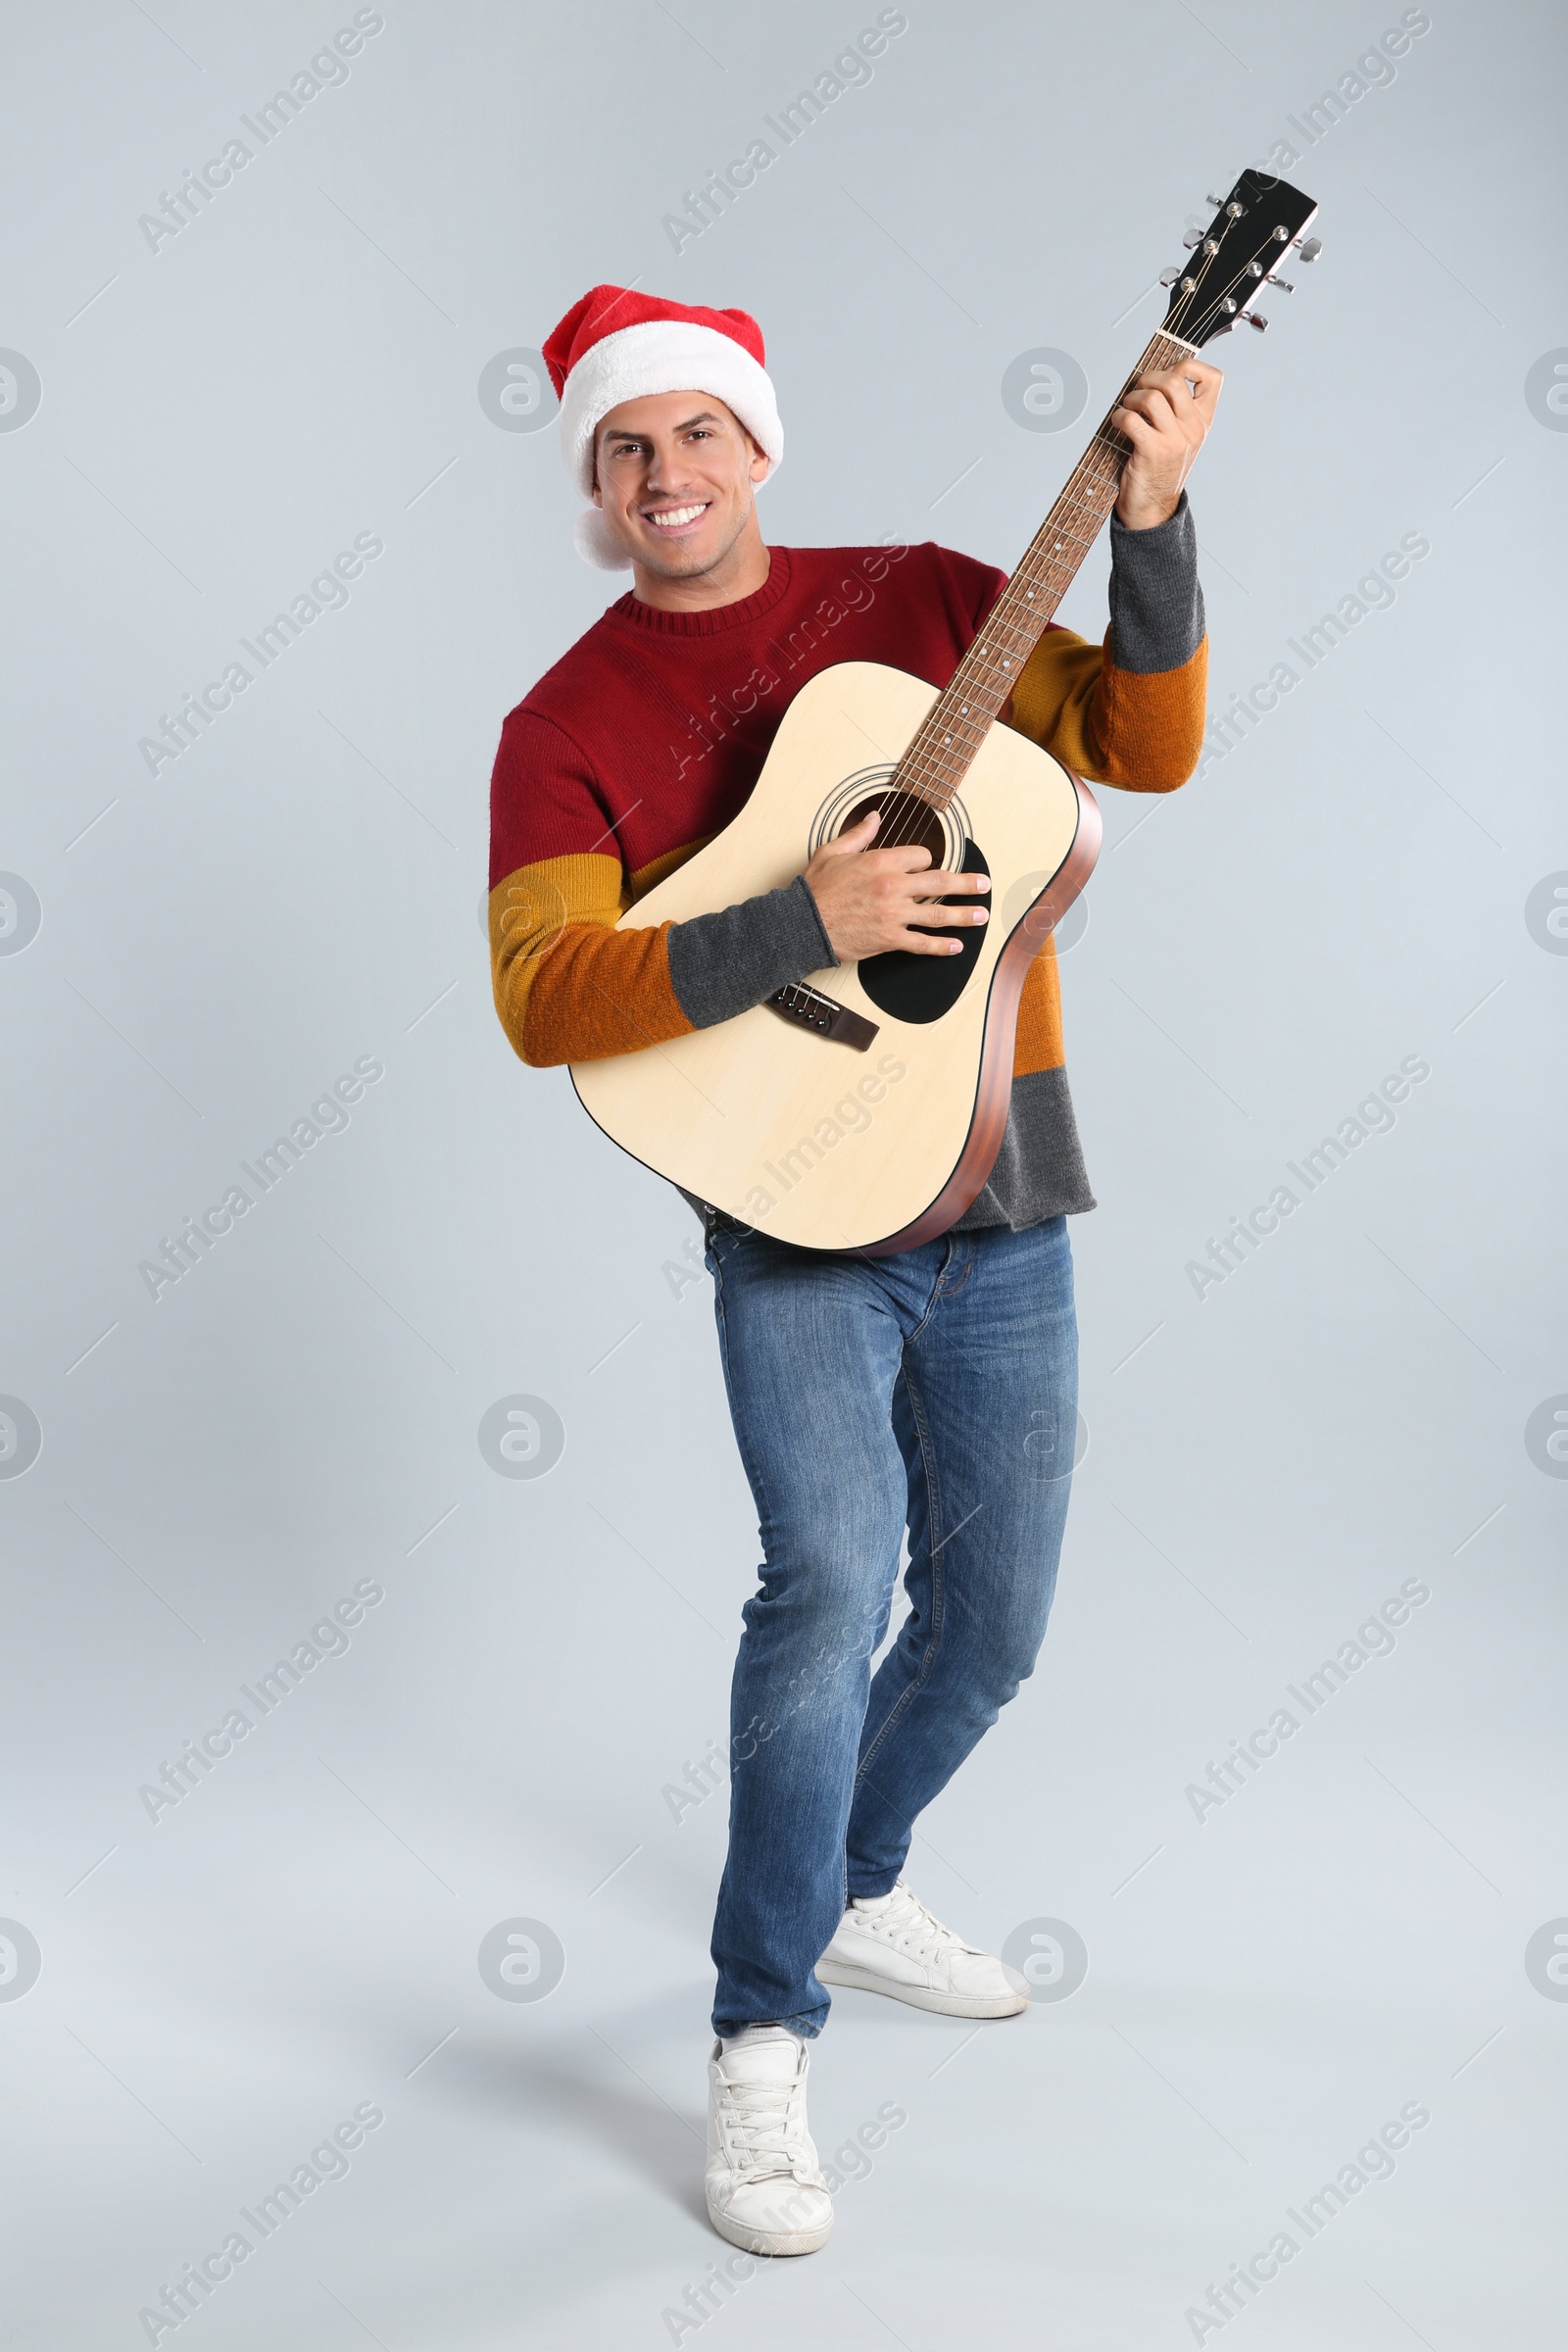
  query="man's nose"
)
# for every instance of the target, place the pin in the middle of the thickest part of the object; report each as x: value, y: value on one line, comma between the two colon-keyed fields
x: 667, y: 470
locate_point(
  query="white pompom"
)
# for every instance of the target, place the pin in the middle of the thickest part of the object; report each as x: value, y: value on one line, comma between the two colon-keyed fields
x: 594, y: 543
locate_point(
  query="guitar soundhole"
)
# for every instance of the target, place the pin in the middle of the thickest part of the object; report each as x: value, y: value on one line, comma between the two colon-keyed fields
x: 907, y: 822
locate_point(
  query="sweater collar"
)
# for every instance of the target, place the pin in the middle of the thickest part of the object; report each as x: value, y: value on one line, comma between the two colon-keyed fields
x: 714, y: 619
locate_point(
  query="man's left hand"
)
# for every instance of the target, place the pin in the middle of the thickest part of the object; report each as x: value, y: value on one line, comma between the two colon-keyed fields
x: 1167, y: 418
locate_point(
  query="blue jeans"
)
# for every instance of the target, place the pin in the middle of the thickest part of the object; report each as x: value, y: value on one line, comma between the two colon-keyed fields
x: 936, y: 1390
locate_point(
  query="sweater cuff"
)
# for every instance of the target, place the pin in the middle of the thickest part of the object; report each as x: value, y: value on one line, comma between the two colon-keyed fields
x: 1157, y: 606
x: 722, y: 964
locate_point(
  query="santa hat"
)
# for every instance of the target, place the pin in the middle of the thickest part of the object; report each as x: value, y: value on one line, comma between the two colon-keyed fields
x: 614, y: 345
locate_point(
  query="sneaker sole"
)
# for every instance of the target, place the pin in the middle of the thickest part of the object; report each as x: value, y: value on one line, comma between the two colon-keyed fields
x: 771, y: 2241
x: 920, y: 1996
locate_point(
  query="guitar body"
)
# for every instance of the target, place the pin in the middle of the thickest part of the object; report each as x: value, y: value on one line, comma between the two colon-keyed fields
x: 806, y: 1138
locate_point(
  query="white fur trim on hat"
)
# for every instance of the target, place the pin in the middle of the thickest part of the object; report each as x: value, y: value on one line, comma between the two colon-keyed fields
x: 661, y: 354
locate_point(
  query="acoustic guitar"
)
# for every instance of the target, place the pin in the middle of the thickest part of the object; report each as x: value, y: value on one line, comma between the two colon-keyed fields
x: 862, y: 1108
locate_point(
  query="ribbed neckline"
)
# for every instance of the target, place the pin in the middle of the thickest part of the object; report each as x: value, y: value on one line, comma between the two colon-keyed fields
x: 716, y: 619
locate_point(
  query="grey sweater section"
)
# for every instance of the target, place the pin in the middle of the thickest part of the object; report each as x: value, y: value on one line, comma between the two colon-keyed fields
x: 1040, y: 1170
x: 722, y: 964
x: 1157, y: 606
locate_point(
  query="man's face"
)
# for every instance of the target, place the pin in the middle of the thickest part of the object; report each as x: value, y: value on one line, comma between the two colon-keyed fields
x: 674, y: 476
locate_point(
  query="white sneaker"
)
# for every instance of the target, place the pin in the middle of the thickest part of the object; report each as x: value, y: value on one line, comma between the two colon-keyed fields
x: 891, y: 1944
x: 765, y: 2191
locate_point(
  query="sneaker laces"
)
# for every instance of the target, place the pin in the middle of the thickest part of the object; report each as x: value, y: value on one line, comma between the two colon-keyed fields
x: 758, y: 2118
x: 904, y: 1920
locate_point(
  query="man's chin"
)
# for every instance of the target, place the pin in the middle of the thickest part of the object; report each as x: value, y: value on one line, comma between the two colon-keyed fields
x: 673, y: 563
x: 680, y: 562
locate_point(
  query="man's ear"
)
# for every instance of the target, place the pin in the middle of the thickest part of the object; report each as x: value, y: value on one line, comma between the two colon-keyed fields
x: 757, y: 467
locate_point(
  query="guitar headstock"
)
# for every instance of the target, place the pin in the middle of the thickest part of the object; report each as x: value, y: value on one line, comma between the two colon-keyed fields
x: 1253, y: 230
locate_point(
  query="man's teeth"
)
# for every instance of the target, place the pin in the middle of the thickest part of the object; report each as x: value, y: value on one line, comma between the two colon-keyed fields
x: 674, y: 517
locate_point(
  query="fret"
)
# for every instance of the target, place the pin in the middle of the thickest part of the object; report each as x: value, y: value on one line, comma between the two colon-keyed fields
x: 935, y: 764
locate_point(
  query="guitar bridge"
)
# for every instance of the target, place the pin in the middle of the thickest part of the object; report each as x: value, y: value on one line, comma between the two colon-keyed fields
x: 826, y: 1015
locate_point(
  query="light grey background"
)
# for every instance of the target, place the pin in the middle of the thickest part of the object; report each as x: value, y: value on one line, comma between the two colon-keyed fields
x: 222, y: 1986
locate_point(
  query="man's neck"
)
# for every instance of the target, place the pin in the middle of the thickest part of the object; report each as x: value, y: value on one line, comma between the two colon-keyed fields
x: 739, y: 573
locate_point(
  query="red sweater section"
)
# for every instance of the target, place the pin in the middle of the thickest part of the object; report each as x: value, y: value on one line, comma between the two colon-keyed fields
x: 620, y: 750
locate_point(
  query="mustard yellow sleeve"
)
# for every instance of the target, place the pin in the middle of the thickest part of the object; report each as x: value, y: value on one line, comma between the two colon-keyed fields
x: 568, y: 986
x: 1131, y: 712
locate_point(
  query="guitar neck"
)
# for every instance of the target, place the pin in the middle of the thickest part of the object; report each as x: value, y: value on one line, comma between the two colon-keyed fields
x: 938, y: 759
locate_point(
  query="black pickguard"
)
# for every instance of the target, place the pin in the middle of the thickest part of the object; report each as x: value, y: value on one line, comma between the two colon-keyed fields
x: 922, y: 988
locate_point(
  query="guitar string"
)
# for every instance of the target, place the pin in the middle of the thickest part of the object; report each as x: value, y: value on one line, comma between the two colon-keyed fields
x: 917, y: 784
x: 1070, y: 501
x: 1090, y: 476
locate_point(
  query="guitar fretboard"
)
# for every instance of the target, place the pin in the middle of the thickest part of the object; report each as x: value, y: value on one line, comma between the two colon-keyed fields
x: 938, y: 759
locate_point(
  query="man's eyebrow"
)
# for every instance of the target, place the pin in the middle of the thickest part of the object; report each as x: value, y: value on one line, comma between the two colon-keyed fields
x: 703, y: 417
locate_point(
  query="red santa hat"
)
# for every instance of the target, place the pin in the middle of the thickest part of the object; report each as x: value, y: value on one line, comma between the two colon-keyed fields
x: 615, y: 345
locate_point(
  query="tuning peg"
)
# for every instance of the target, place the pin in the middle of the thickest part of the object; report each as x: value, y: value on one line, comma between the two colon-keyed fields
x: 1284, y: 284
x: 1311, y: 249
x: 1214, y: 200
x: 1194, y: 236
x: 1168, y: 277
x: 1254, y: 319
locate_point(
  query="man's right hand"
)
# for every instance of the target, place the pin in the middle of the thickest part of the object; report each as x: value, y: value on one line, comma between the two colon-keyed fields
x: 869, y: 898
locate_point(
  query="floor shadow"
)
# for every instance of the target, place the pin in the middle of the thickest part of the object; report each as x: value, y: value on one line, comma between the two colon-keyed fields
x: 578, y: 2097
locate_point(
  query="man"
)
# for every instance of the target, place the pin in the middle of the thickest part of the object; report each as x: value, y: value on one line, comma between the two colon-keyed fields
x: 934, y: 1390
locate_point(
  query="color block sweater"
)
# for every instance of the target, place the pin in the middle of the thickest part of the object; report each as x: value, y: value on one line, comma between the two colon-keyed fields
x: 647, y: 737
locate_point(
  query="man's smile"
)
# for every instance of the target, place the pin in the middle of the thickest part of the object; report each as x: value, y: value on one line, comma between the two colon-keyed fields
x: 675, y: 518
